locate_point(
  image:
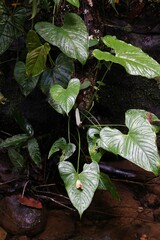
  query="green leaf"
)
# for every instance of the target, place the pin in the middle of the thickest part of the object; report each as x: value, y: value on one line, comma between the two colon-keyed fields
x: 55, y: 105
x: 26, y: 83
x: 66, y: 97
x: 34, y: 151
x: 132, y: 58
x: 33, y: 41
x: 23, y: 122
x: 85, y: 84
x: 71, y: 38
x: 138, y: 146
x: 67, y: 149
x: 95, y: 152
x: 80, y: 187
x: 74, y: 3
x: 105, y: 183
x: 16, y: 158
x: 60, y: 74
x: 14, y: 141
x: 36, y: 60
x: 11, y: 26
x: 35, y: 4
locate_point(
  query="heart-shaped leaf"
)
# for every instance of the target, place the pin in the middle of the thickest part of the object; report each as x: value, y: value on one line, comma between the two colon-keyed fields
x: 34, y: 151
x: 80, y: 187
x: 74, y: 3
x: 71, y: 38
x: 11, y: 26
x: 66, y: 97
x: 60, y: 74
x: 138, y: 146
x: 26, y: 83
x: 67, y: 149
x: 132, y: 58
x: 36, y: 60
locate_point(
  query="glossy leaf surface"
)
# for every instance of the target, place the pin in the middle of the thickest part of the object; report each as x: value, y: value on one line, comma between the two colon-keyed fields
x: 66, y: 97
x: 67, y: 149
x: 80, y: 187
x: 60, y: 74
x: 74, y: 3
x: 132, y: 58
x: 71, y: 38
x: 36, y: 60
x: 138, y: 146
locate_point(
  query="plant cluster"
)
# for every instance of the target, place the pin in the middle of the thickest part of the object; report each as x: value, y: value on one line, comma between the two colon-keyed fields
x: 55, y: 75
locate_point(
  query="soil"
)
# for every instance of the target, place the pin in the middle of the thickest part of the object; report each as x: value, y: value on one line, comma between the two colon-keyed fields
x: 135, y: 216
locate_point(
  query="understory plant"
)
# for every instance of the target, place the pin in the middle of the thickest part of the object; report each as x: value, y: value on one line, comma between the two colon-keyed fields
x: 52, y: 53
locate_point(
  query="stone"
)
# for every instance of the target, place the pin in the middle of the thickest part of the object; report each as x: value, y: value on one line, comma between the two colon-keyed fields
x: 18, y: 219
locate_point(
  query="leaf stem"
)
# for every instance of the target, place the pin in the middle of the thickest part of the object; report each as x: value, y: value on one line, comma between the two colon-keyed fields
x: 69, y: 139
x: 79, y: 150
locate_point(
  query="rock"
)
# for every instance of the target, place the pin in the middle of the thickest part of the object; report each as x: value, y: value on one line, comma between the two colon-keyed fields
x: 18, y: 219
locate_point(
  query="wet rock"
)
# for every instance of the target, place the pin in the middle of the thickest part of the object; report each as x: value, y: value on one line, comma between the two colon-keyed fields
x: 18, y: 219
x: 60, y: 226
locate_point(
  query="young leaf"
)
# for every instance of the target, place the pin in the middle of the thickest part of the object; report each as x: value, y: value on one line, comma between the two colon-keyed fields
x: 33, y: 41
x: 35, y: 4
x: 71, y: 38
x: 80, y: 187
x: 132, y: 58
x: 66, y: 97
x: 138, y: 146
x: 26, y: 83
x: 16, y: 159
x: 36, y: 60
x: 95, y: 152
x: 14, y: 141
x: 67, y: 149
x: 105, y: 183
x: 74, y: 3
x: 60, y: 74
x: 34, y: 152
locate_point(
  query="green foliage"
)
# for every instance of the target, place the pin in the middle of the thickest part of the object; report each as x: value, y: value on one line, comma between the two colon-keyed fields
x: 67, y: 149
x: 80, y: 187
x: 60, y: 74
x: 50, y: 65
x: 11, y: 26
x: 16, y: 158
x: 71, y: 38
x: 105, y: 183
x: 27, y: 83
x: 66, y: 97
x: 138, y: 145
x: 74, y: 3
x: 133, y: 59
x: 34, y: 151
